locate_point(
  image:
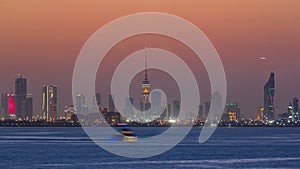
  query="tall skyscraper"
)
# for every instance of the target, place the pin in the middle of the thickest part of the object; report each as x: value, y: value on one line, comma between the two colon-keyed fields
x: 28, y: 106
x: 201, y: 115
x: 146, y: 86
x: 111, y: 104
x: 207, y: 107
x: 269, y: 98
x: 176, y: 108
x: 295, y: 109
x: 20, y: 94
x: 80, y: 105
x: 156, y: 104
x: 4, y: 105
x: 11, y: 106
x: 49, y: 103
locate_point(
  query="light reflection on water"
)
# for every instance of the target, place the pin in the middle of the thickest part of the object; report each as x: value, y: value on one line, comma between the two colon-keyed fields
x: 228, y: 148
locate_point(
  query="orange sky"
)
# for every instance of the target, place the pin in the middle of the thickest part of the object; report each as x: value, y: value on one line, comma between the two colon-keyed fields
x: 42, y: 39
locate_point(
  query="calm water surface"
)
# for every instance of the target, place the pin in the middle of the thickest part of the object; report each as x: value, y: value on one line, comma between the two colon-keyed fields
x: 228, y: 148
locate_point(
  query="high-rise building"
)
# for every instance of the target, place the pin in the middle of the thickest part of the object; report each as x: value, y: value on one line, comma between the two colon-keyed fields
x: 259, y: 114
x: 49, y: 103
x: 28, y: 107
x: 4, y: 105
x: 111, y: 104
x: 156, y: 104
x: 98, y: 99
x: 295, y: 109
x: 176, y: 108
x: 11, y: 106
x: 20, y: 94
x: 201, y: 115
x: 207, y: 108
x: 233, y: 112
x: 80, y: 104
x: 269, y: 98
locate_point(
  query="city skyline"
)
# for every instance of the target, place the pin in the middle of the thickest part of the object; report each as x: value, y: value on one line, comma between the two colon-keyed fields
x: 250, y: 45
x: 49, y: 107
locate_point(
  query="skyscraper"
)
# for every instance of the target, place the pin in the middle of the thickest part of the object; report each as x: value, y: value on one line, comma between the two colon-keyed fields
x: 4, y: 105
x: 49, y: 103
x: 176, y: 108
x: 11, y: 106
x: 20, y: 94
x: 98, y: 99
x: 111, y: 104
x: 80, y: 105
x: 269, y: 98
x: 295, y: 109
x: 28, y: 106
x: 156, y: 104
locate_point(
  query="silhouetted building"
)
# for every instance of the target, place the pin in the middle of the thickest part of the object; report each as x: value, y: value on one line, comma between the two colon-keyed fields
x: 49, y: 103
x: 166, y: 114
x: 295, y: 109
x: 111, y: 104
x: 28, y: 107
x: 156, y: 104
x: 201, y: 115
x: 4, y: 105
x: 269, y: 98
x: 20, y: 95
x: 98, y: 99
x: 80, y: 105
x: 176, y: 108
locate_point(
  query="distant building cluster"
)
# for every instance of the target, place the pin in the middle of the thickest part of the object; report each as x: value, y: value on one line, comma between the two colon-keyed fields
x: 18, y: 106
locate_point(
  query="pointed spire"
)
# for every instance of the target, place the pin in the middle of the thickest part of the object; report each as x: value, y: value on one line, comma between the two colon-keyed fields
x: 146, y: 71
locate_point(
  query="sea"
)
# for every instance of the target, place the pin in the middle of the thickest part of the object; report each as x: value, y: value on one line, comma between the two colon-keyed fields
x: 64, y: 148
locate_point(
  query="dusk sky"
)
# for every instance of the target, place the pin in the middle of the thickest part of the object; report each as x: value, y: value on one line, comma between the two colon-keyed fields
x: 42, y: 39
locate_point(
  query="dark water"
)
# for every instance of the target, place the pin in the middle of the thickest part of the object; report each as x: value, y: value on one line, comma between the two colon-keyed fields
x: 228, y: 148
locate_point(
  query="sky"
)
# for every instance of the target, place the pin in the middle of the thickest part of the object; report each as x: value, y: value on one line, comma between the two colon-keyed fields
x: 42, y: 39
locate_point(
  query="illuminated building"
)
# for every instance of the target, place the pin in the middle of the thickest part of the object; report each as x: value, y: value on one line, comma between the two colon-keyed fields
x: 269, y: 98
x: 259, y: 114
x: 11, y: 106
x: 232, y: 112
x: 49, y: 103
x: 295, y: 109
x: 146, y: 87
x: 69, y: 112
x: 20, y: 95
